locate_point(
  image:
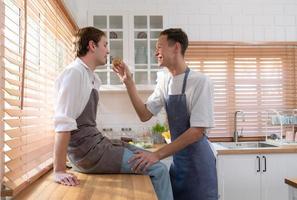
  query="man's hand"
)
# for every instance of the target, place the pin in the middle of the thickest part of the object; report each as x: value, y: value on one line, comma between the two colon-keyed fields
x: 122, y: 71
x: 65, y: 178
x: 142, y: 160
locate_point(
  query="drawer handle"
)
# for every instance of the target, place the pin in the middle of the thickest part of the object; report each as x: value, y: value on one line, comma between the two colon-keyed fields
x: 258, y: 157
x: 265, y: 169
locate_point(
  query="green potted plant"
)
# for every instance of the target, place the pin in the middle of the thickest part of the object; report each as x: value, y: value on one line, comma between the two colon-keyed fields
x: 157, y: 131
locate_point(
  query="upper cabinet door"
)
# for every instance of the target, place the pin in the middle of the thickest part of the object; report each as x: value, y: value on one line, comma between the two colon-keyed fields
x: 132, y: 38
x: 113, y: 26
x: 146, y: 32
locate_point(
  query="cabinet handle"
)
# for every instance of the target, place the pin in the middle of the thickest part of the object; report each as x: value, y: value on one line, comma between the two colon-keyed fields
x: 265, y: 169
x: 258, y: 157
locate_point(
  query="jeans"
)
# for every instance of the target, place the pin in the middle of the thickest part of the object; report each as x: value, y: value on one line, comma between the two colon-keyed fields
x: 157, y: 172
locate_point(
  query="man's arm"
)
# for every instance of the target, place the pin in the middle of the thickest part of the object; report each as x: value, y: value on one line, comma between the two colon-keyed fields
x: 142, y: 160
x: 143, y: 113
x: 190, y: 136
x: 124, y: 74
x: 60, y: 152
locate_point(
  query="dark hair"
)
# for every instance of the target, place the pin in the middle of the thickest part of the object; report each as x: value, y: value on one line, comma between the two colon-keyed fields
x: 84, y: 36
x: 177, y: 35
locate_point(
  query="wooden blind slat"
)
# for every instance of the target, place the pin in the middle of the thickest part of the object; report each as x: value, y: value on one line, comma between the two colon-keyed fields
x: 31, y: 130
x: 28, y: 86
x: 26, y: 122
x: 28, y: 95
x: 13, y: 102
x: 24, y: 113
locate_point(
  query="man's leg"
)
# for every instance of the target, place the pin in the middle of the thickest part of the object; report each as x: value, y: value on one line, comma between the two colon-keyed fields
x: 158, y: 173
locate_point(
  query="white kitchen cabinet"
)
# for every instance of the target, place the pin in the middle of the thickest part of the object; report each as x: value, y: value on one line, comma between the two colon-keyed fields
x: 145, y: 36
x: 238, y: 177
x: 114, y: 27
x: 255, y: 176
x: 292, y: 193
x: 133, y: 38
x: 292, y: 187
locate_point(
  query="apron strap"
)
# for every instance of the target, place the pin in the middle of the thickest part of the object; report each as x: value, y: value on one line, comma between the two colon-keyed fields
x: 185, y: 80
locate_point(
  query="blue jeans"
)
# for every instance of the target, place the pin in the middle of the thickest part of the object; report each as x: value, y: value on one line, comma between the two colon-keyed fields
x: 157, y: 172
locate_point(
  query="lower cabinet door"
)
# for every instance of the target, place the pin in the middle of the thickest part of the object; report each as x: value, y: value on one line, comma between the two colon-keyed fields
x: 292, y: 193
x: 239, y: 177
x: 278, y: 167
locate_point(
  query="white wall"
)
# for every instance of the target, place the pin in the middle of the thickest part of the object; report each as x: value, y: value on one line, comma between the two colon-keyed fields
x: 116, y: 111
x: 203, y: 20
x: 206, y: 20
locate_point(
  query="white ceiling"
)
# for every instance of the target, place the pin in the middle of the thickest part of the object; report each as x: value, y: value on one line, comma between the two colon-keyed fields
x: 78, y: 10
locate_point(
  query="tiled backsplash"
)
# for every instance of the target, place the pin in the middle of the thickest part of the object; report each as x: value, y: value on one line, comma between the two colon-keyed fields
x: 116, y: 112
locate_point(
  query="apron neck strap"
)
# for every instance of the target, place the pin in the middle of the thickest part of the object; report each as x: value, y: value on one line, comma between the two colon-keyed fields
x: 184, y: 82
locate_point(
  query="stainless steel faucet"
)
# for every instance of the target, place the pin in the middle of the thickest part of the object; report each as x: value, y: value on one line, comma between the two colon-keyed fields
x: 235, y: 134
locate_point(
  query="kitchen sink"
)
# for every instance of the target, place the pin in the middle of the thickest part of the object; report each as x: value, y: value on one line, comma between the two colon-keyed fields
x: 245, y: 145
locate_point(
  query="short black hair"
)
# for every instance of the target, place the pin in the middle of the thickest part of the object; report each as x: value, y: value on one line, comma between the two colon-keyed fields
x: 84, y: 36
x: 177, y: 35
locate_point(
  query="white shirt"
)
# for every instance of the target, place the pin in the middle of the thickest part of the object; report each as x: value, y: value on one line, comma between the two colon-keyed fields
x: 199, y: 95
x: 73, y: 88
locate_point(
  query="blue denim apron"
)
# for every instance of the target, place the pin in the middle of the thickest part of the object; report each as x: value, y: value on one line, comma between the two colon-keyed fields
x: 193, y: 171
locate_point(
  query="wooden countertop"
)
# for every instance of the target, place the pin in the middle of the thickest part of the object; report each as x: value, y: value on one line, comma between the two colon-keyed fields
x: 92, y: 186
x: 291, y: 181
x: 225, y: 151
x: 283, y: 149
x: 155, y: 147
x: 267, y: 150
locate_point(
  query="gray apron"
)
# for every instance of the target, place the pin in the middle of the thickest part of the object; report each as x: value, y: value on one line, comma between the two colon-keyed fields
x: 193, y: 171
x: 88, y: 150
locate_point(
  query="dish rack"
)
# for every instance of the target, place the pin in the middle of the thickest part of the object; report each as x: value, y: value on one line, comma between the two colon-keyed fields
x: 283, y: 120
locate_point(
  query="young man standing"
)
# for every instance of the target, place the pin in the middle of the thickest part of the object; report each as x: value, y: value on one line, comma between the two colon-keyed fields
x: 75, y: 121
x: 188, y: 99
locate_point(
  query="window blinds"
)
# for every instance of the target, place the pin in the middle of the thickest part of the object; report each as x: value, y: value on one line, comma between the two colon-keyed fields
x: 1, y: 96
x: 37, y: 43
x: 247, y: 77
